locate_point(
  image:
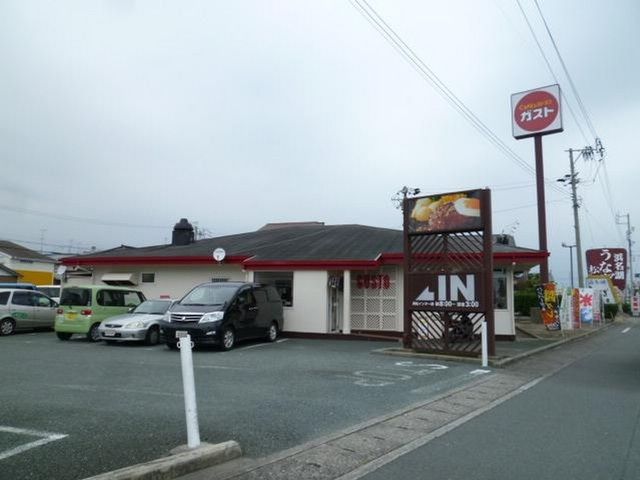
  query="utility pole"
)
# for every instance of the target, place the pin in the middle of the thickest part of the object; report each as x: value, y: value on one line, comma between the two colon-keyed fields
x: 42, y: 230
x: 572, y: 178
x: 403, y: 194
x: 629, y: 242
x: 576, y: 220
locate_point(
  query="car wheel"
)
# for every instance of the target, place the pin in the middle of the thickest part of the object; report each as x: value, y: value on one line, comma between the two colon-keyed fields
x: 64, y: 335
x: 93, y: 335
x: 153, y: 336
x: 228, y: 338
x: 7, y: 326
x: 172, y: 345
x: 272, y: 334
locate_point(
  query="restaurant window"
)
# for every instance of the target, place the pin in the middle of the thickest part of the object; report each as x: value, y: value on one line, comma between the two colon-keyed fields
x: 148, y: 277
x: 500, y: 291
x: 282, y: 281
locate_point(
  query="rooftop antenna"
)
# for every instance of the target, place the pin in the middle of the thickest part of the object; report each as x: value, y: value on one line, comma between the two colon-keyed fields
x: 511, y: 228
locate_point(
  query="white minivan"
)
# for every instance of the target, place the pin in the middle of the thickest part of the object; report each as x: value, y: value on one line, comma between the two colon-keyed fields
x: 51, y: 291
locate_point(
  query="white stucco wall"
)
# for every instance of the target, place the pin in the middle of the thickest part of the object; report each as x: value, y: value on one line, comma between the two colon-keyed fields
x: 309, y: 311
x: 173, y: 280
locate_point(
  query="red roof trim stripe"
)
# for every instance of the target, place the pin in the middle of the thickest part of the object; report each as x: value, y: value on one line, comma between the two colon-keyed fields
x: 186, y: 260
x: 394, y: 258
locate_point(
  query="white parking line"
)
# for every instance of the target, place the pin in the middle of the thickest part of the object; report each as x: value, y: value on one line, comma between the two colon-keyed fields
x: 45, y: 437
x: 261, y: 344
x: 219, y: 367
x: 97, y: 388
x: 626, y: 330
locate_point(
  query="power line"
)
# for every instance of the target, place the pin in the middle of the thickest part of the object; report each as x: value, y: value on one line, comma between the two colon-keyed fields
x: 546, y: 60
x: 390, y: 35
x: 72, y: 218
x: 585, y: 114
x: 76, y: 246
x: 528, y: 206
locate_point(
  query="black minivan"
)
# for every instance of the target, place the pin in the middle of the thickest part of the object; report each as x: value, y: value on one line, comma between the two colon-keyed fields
x: 223, y: 312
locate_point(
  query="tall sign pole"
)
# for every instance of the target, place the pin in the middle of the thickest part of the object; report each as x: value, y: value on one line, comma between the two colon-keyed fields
x: 542, y: 211
x: 535, y: 113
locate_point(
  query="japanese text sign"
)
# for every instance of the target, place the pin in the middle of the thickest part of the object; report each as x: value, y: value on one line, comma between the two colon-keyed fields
x: 610, y: 262
x: 536, y: 112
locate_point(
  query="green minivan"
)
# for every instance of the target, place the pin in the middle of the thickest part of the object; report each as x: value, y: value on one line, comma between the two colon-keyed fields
x: 84, y: 307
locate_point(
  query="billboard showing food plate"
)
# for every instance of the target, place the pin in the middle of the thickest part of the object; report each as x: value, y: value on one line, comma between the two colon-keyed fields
x: 450, y: 212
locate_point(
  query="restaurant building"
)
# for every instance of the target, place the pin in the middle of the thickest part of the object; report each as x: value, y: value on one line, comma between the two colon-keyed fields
x: 333, y: 279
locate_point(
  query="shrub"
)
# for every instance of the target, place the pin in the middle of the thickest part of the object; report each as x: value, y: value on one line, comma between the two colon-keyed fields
x: 524, y: 301
x: 626, y: 308
x: 610, y: 310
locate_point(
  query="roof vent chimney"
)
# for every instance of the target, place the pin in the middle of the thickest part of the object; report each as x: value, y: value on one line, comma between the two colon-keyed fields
x: 182, y: 233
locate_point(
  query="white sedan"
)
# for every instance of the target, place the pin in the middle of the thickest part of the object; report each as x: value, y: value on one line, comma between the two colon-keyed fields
x: 139, y: 325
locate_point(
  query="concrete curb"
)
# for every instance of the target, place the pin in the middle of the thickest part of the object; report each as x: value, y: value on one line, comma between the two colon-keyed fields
x: 493, y: 361
x: 178, y: 464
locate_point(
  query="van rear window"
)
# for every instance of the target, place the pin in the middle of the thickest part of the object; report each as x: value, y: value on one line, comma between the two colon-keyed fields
x: 76, y: 296
x: 4, y: 297
x: 50, y: 291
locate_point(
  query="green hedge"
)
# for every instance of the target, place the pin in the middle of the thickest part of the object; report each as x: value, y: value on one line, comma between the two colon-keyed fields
x: 626, y: 308
x: 524, y: 301
x: 610, y: 310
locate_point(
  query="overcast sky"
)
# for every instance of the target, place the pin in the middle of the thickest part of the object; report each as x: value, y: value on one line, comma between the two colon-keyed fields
x: 119, y: 117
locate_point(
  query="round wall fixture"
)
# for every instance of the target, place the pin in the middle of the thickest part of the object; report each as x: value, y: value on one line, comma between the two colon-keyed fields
x: 219, y: 254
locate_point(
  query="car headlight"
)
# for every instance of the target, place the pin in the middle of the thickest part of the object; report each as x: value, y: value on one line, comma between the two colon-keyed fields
x: 167, y: 317
x: 211, y: 317
x: 136, y: 324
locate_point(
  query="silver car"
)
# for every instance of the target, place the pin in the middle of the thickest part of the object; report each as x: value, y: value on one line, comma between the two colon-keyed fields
x: 20, y: 308
x: 139, y: 325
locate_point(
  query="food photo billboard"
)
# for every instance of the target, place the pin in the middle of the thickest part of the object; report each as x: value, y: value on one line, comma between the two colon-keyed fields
x: 448, y: 212
x: 536, y: 112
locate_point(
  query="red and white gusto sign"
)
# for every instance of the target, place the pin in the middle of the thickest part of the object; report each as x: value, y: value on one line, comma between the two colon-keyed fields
x: 536, y: 112
x: 374, y: 282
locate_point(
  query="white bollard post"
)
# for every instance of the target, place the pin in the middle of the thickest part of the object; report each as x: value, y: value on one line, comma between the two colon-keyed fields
x: 485, y: 346
x: 188, y: 385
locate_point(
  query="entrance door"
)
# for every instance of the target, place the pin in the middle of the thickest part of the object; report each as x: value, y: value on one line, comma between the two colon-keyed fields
x: 334, y: 306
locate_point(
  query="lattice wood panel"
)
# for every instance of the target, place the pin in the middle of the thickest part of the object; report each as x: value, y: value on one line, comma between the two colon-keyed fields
x: 451, y: 333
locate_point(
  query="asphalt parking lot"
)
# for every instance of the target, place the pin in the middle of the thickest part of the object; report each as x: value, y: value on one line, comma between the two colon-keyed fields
x: 73, y: 409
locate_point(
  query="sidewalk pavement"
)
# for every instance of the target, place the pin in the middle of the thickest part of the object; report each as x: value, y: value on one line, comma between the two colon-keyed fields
x: 531, y: 338
x: 343, y: 454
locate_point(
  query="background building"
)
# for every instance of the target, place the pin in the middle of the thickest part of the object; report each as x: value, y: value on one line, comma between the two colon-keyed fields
x: 31, y: 266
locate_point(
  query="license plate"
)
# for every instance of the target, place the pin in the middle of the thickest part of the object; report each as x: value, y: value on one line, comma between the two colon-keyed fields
x: 109, y: 333
x: 71, y: 316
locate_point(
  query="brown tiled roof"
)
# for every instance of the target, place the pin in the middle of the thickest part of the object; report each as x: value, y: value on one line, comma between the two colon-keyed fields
x: 19, y: 252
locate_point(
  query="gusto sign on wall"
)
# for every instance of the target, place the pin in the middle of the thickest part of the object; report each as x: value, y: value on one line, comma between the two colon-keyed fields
x: 373, y: 281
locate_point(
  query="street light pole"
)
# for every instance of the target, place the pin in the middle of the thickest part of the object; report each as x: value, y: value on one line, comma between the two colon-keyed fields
x: 570, y: 247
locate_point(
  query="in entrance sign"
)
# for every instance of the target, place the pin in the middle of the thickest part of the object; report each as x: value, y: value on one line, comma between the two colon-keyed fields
x: 536, y: 112
x: 458, y: 292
